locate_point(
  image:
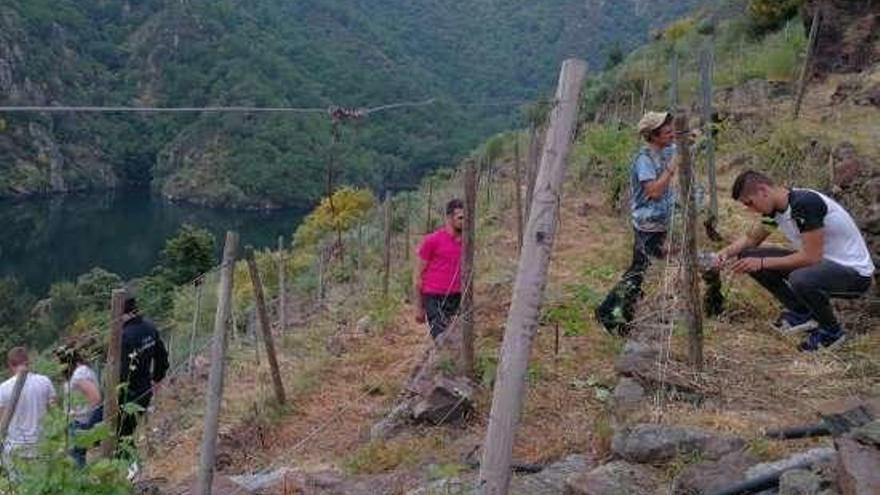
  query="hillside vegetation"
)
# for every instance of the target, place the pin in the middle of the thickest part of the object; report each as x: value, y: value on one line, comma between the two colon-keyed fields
x: 313, y: 53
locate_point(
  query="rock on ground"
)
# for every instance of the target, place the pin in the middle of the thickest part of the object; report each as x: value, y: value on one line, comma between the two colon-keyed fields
x: 709, y: 476
x: 654, y: 444
x: 615, y: 478
x: 858, y: 468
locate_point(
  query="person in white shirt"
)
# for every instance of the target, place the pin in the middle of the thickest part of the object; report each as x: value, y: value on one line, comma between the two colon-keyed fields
x: 828, y: 256
x: 84, y: 395
x: 25, y: 428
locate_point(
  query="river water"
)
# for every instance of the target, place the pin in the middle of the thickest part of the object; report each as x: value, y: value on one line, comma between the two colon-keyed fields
x: 46, y: 240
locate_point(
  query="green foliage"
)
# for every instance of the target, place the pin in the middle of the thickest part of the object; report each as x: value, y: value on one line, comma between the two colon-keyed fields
x: 304, y: 54
x: 605, y: 152
x: 15, y: 307
x: 187, y: 255
x: 95, y: 287
x: 55, y: 473
x: 769, y: 15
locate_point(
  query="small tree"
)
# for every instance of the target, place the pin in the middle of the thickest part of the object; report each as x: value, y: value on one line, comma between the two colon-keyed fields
x: 94, y: 288
x: 187, y: 255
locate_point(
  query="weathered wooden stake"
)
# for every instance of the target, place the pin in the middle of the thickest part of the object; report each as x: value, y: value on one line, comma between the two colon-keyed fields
x: 9, y: 410
x: 673, y: 80
x: 706, y: 67
x: 517, y: 193
x: 265, y: 327
x: 808, y: 61
x: 528, y: 290
x: 282, y: 286
x: 386, y: 253
x: 190, y: 364
x: 466, y: 310
x: 205, y: 477
x: 428, y: 223
x: 693, y: 308
x: 406, y: 232
x: 535, y: 140
x: 112, y: 373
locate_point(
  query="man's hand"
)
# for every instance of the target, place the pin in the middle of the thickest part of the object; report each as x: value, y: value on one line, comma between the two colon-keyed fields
x: 747, y: 265
x: 420, y: 312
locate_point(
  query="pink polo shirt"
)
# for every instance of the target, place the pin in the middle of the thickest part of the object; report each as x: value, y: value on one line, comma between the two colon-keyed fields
x: 441, y: 252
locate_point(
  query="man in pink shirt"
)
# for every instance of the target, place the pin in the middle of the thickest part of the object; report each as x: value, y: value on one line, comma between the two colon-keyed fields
x: 437, y: 274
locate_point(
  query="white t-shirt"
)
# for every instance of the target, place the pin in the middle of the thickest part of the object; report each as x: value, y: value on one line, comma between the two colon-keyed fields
x: 25, y: 427
x: 810, y: 210
x: 81, y: 410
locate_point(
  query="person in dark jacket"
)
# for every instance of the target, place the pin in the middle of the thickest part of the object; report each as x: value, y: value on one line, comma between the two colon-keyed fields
x: 143, y: 365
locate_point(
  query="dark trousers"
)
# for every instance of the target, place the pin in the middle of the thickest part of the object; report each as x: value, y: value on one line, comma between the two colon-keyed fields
x: 617, y: 309
x: 128, y: 421
x: 440, y: 310
x: 79, y: 452
x: 808, y: 290
x: 645, y: 246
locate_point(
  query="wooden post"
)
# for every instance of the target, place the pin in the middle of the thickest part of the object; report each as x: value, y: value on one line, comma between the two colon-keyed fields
x: 528, y: 290
x: 706, y: 67
x: 192, y: 337
x: 406, y: 232
x: 205, y: 478
x: 265, y: 326
x: 693, y: 309
x: 112, y: 372
x: 517, y: 193
x: 644, y: 100
x: 386, y: 253
x: 466, y: 310
x: 428, y: 223
x: 9, y: 410
x: 282, y: 286
x: 808, y: 60
x: 320, y: 273
x: 533, y: 165
x: 673, y: 80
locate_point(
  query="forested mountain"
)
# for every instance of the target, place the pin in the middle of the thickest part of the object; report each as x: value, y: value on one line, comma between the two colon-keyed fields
x: 301, y: 53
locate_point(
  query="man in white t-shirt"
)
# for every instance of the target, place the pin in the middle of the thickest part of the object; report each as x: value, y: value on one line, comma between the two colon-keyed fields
x: 828, y: 258
x: 37, y: 394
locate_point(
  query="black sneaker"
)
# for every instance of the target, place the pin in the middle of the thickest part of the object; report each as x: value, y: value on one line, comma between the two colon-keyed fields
x: 790, y: 322
x: 822, y: 338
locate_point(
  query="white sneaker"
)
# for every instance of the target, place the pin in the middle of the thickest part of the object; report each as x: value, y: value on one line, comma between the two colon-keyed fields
x: 133, y: 471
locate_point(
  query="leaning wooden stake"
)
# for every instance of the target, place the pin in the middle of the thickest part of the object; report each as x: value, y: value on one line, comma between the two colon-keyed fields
x: 406, y: 231
x: 282, y: 286
x: 265, y: 327
x: 466, y: 311
x: 205, y: 477
x: 428, y: 223
x: 191, y: 365
x: 517, y: 192
x: 706, y: 65
x: 112, y: 372
x: 690, y: 273
x: 386, y: 253
x: 808, y: 60
x: 673, y: 80
x: 528, y: 290
x: 9, y: 410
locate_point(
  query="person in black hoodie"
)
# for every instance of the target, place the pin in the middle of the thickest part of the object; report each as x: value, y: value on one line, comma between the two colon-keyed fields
x: 144, y: 364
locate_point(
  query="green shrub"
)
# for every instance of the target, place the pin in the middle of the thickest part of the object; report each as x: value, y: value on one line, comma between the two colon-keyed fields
x: 768, y: 15
x: 605, y: 152
x: 55, y: 473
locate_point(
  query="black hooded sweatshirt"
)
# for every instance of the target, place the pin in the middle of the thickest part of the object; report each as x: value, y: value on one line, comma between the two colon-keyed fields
x: 144, y: 358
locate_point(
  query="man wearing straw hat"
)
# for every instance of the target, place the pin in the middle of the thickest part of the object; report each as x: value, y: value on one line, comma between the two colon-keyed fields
x: 651, y: 201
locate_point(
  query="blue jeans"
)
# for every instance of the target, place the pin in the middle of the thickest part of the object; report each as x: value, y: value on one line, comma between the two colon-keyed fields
x: 79, y: 453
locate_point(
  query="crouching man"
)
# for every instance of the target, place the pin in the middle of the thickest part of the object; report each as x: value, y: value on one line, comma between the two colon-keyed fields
x: 827, y: 256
